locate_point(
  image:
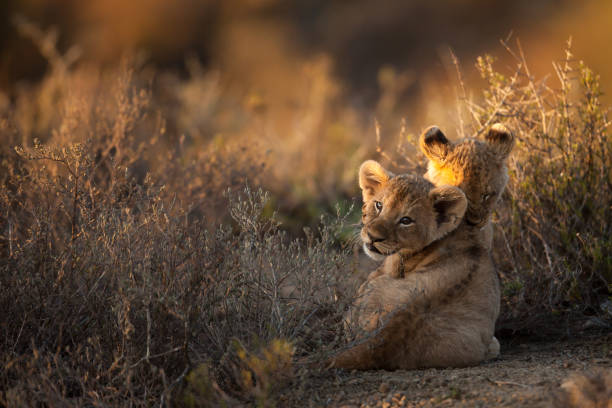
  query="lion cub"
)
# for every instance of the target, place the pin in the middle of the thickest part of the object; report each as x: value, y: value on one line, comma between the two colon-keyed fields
x: 435, y: 299
x: 476, y: 167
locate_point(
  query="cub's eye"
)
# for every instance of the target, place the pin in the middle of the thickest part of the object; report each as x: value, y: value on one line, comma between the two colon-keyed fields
x: 378, y: 206
x: 406, y: 221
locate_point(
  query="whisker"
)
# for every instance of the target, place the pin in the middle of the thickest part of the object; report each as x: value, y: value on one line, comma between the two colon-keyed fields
x: 355, y: 239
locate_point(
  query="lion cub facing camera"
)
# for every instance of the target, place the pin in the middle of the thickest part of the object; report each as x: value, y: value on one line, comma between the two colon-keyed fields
x: 434, y: 300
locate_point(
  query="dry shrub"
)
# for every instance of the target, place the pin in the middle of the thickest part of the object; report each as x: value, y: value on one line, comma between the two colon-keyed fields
x: 127, y: 261
x: 552, y: 244
x: 115, y: 303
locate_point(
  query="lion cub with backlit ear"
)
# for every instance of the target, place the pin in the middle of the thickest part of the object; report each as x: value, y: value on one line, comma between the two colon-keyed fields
x: 434, y: 300
x: 476, y: 167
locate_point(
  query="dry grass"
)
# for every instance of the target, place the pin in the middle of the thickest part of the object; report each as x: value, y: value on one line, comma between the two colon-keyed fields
x: 113, y: 290
x: 141, y: 263
x: 553, y: 237
x: 127, y: 262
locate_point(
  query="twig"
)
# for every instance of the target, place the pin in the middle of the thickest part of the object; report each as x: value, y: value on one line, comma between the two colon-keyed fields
x: 152, y: 356
x: 500, y: 383
x: 536, y: 94
x: 463, y: 95
x: 380, y: 150
x: 10, y: 225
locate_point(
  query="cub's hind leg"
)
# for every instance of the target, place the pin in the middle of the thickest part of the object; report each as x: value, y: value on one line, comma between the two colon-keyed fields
x: 451, y: 346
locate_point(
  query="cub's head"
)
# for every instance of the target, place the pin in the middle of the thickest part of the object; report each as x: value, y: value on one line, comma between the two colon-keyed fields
x: 405, y: 212
x: 476, y: 167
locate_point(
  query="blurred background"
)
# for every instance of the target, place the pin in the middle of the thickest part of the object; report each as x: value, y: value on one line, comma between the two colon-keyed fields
x: 265, y: 43
x: 300, y: 83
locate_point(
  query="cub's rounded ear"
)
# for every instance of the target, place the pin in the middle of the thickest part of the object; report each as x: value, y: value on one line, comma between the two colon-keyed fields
x: 500, y: 139
x: 449, y: 204
x: 434, y: 144
x: 372, y: 176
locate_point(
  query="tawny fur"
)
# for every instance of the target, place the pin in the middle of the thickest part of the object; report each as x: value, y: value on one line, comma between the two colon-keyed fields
x: 477, y: 167
x: 434, y: 300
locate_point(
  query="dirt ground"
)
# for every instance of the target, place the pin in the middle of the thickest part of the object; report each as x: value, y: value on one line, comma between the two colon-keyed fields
x: 525, y: 375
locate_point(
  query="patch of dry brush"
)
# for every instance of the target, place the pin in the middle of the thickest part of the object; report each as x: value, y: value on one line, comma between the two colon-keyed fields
x: 118, y: 277
x: 553, y: 241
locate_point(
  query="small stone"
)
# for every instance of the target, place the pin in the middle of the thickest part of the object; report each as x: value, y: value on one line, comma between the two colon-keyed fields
x: 384, y: 388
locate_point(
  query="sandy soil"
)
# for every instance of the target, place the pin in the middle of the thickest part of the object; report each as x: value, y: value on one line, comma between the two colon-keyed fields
x: 525, y: 375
